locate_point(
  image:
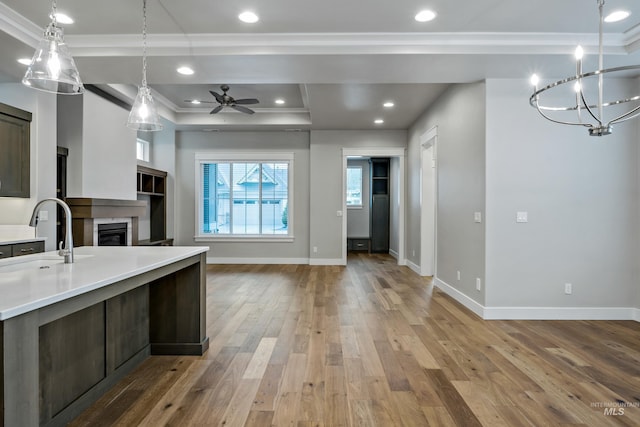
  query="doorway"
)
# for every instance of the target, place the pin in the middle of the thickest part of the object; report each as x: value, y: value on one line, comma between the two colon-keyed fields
x: 396, y: 193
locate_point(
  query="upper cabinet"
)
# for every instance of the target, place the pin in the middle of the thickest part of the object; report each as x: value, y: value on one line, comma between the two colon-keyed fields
x: 14, y: 151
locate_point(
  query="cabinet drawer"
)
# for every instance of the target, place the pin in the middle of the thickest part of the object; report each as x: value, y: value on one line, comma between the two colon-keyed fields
x: 360, y: 244
x: 27, y: 248
x: 5, y: 251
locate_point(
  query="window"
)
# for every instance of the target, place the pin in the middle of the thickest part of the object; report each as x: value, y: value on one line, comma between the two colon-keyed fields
x: 244, y: 196
x: 142, y: 150
x: 354, y: 186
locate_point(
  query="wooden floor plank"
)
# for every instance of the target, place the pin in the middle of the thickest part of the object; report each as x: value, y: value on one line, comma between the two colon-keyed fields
x: 373, y: 344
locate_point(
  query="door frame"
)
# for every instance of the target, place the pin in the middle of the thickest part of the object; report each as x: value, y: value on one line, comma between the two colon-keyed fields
x: 429, y: 216
x: 399, y: 153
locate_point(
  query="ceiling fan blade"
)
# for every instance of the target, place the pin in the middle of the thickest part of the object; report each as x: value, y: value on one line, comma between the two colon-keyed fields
x: 190, y: 101
x: 216, y: 110
x: 247, y: 101
x: 242, y: 109
x: 217, y: 96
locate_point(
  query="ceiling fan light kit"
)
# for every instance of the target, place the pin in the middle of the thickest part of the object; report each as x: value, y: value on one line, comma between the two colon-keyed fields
x: 52, y: 68
x: 588, y: 114
x: 225, y: 100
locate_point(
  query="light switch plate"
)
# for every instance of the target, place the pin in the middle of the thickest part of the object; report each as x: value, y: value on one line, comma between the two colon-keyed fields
x: 43, y: 215
x: 477, y: 216
x: 522, y: 217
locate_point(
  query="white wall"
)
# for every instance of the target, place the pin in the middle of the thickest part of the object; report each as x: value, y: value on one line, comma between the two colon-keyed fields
x: 581, y: 195
x: 190, y: 143
x: 102, y: 150
x: 358, y: 217
x: 459, y: 115
x: 17, y: 211
x: 326, y: 187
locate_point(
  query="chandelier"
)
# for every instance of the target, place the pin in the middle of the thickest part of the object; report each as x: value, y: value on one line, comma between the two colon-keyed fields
x: 589, y: 115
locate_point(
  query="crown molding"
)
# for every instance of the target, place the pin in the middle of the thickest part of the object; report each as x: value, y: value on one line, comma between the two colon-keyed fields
x: 19, y: 27
x: 344, y: 43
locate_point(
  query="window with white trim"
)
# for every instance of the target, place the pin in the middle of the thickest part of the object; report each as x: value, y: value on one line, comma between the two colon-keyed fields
x: 244, y: 195
x: 142, y: 150
x: 354, y: 186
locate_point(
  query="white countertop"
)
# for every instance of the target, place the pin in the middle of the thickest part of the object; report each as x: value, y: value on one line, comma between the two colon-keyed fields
x: 34, y: 281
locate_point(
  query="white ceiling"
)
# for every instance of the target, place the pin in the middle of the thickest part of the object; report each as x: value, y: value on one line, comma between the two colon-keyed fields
x: 335, y: 62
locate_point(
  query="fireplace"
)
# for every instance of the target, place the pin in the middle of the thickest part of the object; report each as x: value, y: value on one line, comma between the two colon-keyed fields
x: 113, y: 234
x: 91, y: 215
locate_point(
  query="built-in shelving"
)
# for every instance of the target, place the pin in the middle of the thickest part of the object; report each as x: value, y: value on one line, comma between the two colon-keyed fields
x: 152, y: 183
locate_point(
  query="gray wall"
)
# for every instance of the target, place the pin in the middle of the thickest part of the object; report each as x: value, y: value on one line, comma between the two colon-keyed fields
x: 190, y: 143
x: 326, y: 186
x: 581, y: 194
x: 358, y: 218
x: 42, y: 106
x: 460, y: 116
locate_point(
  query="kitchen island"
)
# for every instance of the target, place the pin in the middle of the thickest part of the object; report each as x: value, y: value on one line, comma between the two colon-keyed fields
x: 70, y: 331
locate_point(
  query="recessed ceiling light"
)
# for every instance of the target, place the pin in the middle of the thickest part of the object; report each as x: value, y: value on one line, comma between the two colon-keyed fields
x: 378, y: 121
x: 196, y: 102
x: 187, y: 71
x: 279, y: 101
x: 425, y: 16
x: 61, y: 18
x: 25, y: 61
x: 616, y: 16
x: 388, y: 104
x: 248, y: 17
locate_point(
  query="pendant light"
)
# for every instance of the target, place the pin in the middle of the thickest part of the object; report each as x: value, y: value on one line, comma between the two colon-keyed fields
x: 52, y: 68
x: 143, y: 115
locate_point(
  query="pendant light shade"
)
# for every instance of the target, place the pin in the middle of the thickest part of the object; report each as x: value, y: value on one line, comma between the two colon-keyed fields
x: 52, y: 68
x: 143, y: 115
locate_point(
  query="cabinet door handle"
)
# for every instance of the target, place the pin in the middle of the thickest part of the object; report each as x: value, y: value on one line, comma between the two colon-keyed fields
x: 27, y: 250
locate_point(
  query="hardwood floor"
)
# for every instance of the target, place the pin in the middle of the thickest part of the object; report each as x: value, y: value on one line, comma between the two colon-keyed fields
x: 373, y: 344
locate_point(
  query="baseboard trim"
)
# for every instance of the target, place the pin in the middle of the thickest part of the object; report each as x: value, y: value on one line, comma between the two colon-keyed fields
x: 211, y: 260
x: 539, y: 313
x: 463, y: 299
x: 414, y: 267
x: 326, y: 261
x: 393, y: 253
x: 559, y: 313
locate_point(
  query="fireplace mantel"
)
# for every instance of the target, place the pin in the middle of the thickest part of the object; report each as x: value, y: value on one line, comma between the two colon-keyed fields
x: 85, y: 210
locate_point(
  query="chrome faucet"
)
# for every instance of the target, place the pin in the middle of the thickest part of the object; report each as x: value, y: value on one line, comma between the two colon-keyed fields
x: 67, y: 252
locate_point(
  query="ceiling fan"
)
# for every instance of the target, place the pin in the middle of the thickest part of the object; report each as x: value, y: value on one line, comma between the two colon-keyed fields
x: 227, y: 101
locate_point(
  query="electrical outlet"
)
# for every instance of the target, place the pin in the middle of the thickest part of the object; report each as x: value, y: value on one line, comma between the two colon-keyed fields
x: 478, y: 284
x: 458, y: 274
x: 413, y: 252
x: 568, y: 289
x: 315, y: 249
x: 477, y: 216
x: 43, y: 215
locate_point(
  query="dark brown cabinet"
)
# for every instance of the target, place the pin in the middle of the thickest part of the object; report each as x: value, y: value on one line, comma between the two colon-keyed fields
x: 19, y: 249
x: 379, y: 211
x: 151, y: 184
x: 15, y: 143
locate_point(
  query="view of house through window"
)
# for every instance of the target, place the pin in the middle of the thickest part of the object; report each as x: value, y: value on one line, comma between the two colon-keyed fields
x: 245, y: 198
x: 354, y: 186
